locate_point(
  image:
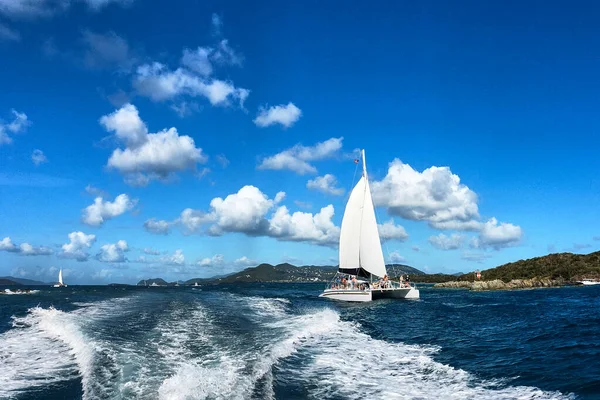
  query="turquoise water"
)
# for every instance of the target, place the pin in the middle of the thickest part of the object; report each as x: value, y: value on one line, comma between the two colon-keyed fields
x: 280, y: 341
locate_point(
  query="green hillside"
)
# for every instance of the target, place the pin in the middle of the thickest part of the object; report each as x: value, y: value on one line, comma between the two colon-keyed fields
x: 566, y: 266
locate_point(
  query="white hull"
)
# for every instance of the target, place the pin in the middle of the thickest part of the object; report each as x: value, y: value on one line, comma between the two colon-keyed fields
x: 60, y: 285
x: 347, y: 295
x: 587, y: 283
x: 370, y: 295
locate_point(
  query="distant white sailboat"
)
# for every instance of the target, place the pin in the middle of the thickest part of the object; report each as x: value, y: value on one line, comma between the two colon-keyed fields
x: 360, y: 254
x: 589, y: 282
x: 195, y: 283
x: 60, y: 280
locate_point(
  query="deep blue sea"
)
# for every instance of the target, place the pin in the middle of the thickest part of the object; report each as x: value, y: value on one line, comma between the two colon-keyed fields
x: 280, y: 341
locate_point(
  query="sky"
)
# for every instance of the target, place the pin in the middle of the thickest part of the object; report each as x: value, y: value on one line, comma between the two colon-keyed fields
x: 190, y: 139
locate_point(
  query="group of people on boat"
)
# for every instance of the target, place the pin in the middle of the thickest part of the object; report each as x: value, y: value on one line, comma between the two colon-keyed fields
x: 351, y: 283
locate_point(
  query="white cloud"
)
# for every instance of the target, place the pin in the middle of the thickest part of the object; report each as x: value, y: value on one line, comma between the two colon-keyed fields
x: 395, y: 257
x: 19, y: 123
x: 160, y: 227
x: 6, y: 33
x: 94, y: 191
x: 99, y: 212
x: 192, y: 220
x: 285, y: 115
x: 245, y: 261
x: 148, y: 155
x: 6, y: 244
x: 198, y: 60
x: 177, y: 258
x: 113, y: 252
x: 390, y: 231
x: 38, y: 157
x: 325, y: 184
x: 497, y: 235
x: 24, y: 249
x: 243, y: 211
x: 434, y: 195
x: 304, y: 227
x: 297, y: 158
x: 215, y: 261
x: 152, y: 252
x: 158, y: 83
x: 106, y: 50
x: 77, y: 247
x: 444, y: 242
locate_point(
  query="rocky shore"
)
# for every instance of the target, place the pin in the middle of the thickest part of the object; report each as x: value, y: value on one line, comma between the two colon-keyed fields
x: 498, y: 284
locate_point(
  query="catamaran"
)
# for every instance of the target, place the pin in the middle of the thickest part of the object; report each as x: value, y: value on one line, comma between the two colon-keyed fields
x: 60, y: 280
x: 362, y: 274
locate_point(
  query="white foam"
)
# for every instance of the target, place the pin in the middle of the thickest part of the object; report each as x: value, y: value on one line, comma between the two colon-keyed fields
x: 44, y: 346
x: 11, y: 292
x: 349, y: 364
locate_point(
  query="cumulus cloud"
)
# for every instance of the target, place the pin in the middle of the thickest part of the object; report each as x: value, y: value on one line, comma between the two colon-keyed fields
x: 390, y: 231
x: 285, y: 115
x: 78, y: 245
x: 434, y: 195
x: 201, y: 59
x: 19, y: 123
x: 444, y: 242
x: 245, y: 261
x: 113, y: 252
x: 191, y: 220
x: 325, y: 184
x: 159, y: 83
x: 243, y: 212
x: 395, y: 257
x: 146, y: 155
x: 304, y: 227
x: 177, y: 258
x: 216, y: 260
x: 38, y: 157
x: 24, y: 249
x: 497, y: 235
x: 99, y: 212
x: 298, y: 158
x: 160, y: 227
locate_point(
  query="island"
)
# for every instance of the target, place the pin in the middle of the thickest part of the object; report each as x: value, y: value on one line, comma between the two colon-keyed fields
x: 280, y: 273
x: 557, y: 269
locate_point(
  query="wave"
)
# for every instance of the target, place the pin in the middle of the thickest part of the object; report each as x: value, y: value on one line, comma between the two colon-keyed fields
x: 347, y: 363
x: 19, y: 291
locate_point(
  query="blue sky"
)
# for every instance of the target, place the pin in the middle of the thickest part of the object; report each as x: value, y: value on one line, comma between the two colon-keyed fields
x: 480, y: 124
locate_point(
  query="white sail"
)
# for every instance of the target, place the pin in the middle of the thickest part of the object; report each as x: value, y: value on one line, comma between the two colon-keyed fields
x: 350, y: 230
x: 60, y: 277
x: 371, y: 255
x: 359, y: 238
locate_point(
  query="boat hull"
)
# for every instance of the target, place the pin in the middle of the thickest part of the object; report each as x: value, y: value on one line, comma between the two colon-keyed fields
x: 358, y: 296
x: 370, y: 295
x: 395, y: 293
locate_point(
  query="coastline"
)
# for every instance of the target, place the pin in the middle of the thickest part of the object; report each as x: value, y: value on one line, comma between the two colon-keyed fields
x: 498, y: 284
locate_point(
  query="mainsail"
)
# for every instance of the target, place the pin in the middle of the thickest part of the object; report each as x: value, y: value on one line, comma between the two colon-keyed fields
x: 360, y: 248
x: 60, y: 277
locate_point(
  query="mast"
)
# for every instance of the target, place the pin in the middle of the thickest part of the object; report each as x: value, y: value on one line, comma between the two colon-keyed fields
x: 364, y: 162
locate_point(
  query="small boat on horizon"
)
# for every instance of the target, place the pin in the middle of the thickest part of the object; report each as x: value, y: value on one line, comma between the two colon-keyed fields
x: 362, y: 275
x: 60, y: 280
x: 589, y: 282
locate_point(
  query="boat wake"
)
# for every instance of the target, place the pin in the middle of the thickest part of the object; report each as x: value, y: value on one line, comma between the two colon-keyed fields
x: 199, y: 349
x: 20, y: 291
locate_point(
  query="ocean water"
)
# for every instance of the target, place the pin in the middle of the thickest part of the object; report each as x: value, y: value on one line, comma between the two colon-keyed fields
x: 280, y: 341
